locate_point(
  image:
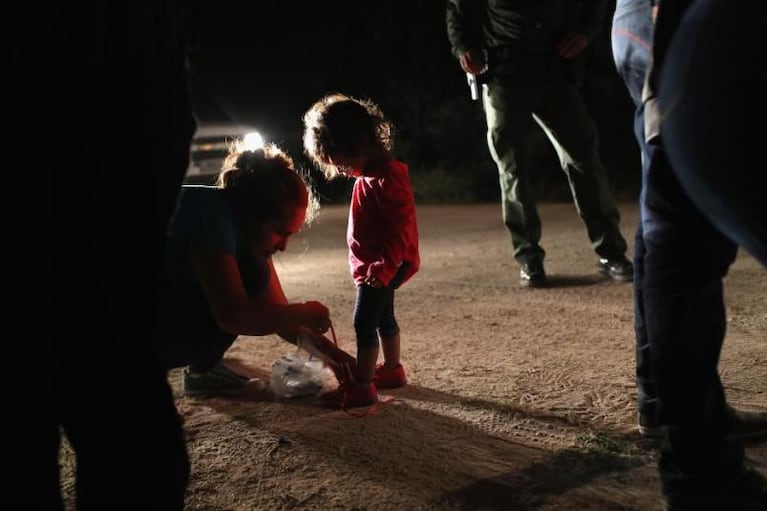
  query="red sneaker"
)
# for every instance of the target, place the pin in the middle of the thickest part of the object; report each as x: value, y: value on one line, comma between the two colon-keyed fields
x: 386, y: 378
x: 349, y: 395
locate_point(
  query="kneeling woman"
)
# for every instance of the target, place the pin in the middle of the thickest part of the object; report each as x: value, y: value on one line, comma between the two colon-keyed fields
x: 220, y: 281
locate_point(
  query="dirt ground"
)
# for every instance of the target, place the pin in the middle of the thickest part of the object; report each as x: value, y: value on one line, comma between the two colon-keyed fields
x: 519, y: 399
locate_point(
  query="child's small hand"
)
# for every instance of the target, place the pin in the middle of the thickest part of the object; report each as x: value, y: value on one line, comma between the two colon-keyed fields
x: 373, y: 281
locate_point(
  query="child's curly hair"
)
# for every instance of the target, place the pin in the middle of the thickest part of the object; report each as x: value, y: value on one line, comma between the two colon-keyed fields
x: 341, y: 124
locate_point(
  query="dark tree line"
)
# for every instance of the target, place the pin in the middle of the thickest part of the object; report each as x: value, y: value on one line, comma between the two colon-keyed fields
x: 264, y: 62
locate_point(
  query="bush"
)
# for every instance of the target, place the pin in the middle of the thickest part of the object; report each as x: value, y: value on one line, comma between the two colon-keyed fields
x: 442, y: 186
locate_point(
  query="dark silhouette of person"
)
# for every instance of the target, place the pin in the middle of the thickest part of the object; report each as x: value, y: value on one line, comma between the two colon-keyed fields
x: 632, y: 35
x: 100, y: 127
x: 703, y: 194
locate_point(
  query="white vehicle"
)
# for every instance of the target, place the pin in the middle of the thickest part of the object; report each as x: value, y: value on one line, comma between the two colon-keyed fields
x: 211, y: 144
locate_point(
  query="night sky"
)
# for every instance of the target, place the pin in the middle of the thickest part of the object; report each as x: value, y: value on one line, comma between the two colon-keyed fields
x: 266, y: 61
x: 263, y: 62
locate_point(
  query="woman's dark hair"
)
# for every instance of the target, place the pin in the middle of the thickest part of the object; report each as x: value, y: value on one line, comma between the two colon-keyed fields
x: 341, y: 124
x: 264, y: 184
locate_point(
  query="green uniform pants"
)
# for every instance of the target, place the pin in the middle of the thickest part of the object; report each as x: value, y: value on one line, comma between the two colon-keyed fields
x: 514, y: 105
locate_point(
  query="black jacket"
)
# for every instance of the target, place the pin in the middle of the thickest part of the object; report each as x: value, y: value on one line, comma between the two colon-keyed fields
x: 534, y: 26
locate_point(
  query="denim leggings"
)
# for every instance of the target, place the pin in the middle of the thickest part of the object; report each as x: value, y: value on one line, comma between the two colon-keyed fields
x: 374, y: 312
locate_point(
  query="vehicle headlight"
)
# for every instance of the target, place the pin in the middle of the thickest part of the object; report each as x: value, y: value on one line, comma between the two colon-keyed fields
x: 252, y: 141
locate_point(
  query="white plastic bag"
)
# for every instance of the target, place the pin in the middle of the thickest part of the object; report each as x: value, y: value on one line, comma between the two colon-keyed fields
x: 297, y: 374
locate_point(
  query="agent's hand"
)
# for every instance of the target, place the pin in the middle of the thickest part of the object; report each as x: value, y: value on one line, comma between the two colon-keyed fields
x: 473, y: 61
x: 572, y: 44
x: 314, y: 316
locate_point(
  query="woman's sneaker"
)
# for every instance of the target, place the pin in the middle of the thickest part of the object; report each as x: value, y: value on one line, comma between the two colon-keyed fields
x: 386, y: 378
x: 350, y: 395
x: 219, y: 379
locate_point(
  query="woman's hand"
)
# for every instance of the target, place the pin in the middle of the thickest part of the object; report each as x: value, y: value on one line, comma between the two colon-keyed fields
x: 314, y: 316
x: 341, y: 363
x: 330, y: 352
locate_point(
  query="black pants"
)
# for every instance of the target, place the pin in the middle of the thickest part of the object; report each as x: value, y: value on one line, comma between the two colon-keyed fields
x: 536, y: 93
x: 685, y: 261
x: 374, y: 312
x: 190, y: 335
x: 188, y: 330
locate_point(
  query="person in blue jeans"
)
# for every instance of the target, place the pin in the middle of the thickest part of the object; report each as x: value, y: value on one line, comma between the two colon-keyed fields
x: 632, y: 36
x: 702, y: 198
